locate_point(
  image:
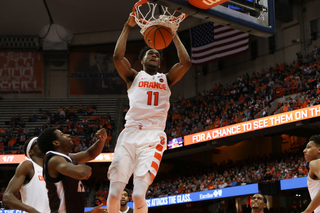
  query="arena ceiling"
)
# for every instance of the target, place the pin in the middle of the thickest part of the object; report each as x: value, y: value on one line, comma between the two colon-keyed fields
x: 20, y: 17
x: 91, y: 21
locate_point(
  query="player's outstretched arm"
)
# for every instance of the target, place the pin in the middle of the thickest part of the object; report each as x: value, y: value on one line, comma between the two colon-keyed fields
x: 96, y: 209
x: 122, y: 64
x: 94, y: 150
x: 180, y: 68
x: 314, y: 170
x: 58, y: 164
x: 23, y: 170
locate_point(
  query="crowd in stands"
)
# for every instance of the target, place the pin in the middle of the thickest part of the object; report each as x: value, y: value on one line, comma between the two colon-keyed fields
x: 190, y: 177
x: 65, y: 119
x: 227, y: 174
x: 193, y: 177
x: 248, y: 97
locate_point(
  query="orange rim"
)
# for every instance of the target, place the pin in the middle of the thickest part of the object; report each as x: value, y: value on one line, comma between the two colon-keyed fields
x: 141, y: 2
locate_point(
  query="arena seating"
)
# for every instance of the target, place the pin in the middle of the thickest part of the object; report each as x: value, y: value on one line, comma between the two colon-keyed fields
x: 26, y: 108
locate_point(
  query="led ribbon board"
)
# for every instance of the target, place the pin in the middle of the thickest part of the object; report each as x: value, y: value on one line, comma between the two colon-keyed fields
x: 295, y: 183
x: 16, y: 159
x: 253, y: 125
x: 199, y: 196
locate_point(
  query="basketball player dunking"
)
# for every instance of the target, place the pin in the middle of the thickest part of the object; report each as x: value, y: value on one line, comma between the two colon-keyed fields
x: 312, y: 155
x: 141, y: 144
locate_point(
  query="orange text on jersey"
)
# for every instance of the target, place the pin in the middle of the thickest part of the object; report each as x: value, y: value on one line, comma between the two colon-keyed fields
x: 154, y: 85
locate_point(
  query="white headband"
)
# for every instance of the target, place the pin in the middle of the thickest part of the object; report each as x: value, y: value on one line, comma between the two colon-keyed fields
x: 29, y: 146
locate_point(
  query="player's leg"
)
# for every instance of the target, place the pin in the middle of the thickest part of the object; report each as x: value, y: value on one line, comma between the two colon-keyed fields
x: 114, y: 197
x: 120, y: 170
x: 139, y: 194
x: 149, y: 155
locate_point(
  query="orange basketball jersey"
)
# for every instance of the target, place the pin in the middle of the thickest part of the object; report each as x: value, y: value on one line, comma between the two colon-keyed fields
x: 34, y: 193
x: 149, y: 101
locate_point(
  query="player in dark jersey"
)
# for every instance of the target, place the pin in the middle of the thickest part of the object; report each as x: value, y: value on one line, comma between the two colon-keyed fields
x: 258, y: 203
x: 123, y: 202
x: 63, y: 171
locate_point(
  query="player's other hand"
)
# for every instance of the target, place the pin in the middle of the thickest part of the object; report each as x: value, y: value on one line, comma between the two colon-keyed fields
x: 89, y: 175
x: 86, y: 172
x: 102, y: 134
x: 131, y: 20
x: 97, y: 209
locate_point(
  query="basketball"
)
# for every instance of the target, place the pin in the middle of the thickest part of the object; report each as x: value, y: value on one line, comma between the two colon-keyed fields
x: 158, y: 37
x: 206, y: 4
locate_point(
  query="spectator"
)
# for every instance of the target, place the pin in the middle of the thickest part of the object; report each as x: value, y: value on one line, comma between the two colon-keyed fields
x: 34, y: 117
x: 2, y: 147
x: 26, y: 131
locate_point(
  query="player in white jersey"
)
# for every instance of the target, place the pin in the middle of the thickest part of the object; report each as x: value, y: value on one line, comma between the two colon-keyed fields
x: 312, y: 155
x: 141, y: 144
x: 29, y: 181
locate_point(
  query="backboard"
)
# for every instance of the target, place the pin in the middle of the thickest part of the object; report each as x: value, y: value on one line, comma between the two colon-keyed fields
x: 256, y: 17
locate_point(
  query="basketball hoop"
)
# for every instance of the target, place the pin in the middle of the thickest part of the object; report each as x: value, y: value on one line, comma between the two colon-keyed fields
x: 149, y: 18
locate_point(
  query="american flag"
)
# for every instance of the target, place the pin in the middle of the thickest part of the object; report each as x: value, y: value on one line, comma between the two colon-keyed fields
x: 212, y: 42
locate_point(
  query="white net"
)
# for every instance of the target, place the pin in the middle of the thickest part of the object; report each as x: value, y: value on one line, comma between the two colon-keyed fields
x: 149, y: 14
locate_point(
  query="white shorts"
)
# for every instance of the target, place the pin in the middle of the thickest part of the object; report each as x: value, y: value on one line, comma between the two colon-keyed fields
x: 137, y: 152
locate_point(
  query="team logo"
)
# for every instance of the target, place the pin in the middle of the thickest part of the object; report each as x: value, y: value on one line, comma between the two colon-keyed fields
x: 161, y: 80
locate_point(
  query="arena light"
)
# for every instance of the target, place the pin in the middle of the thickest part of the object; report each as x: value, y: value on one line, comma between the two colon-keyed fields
x: 55, y: 37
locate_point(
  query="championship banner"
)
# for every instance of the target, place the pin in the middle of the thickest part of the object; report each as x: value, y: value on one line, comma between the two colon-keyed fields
x: 253, y: 125
x: 93, y: 72
x: 21, y: 73
x: 16, y: 159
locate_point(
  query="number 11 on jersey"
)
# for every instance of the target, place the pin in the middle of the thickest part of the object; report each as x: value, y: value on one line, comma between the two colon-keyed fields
x: 155, y: 100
